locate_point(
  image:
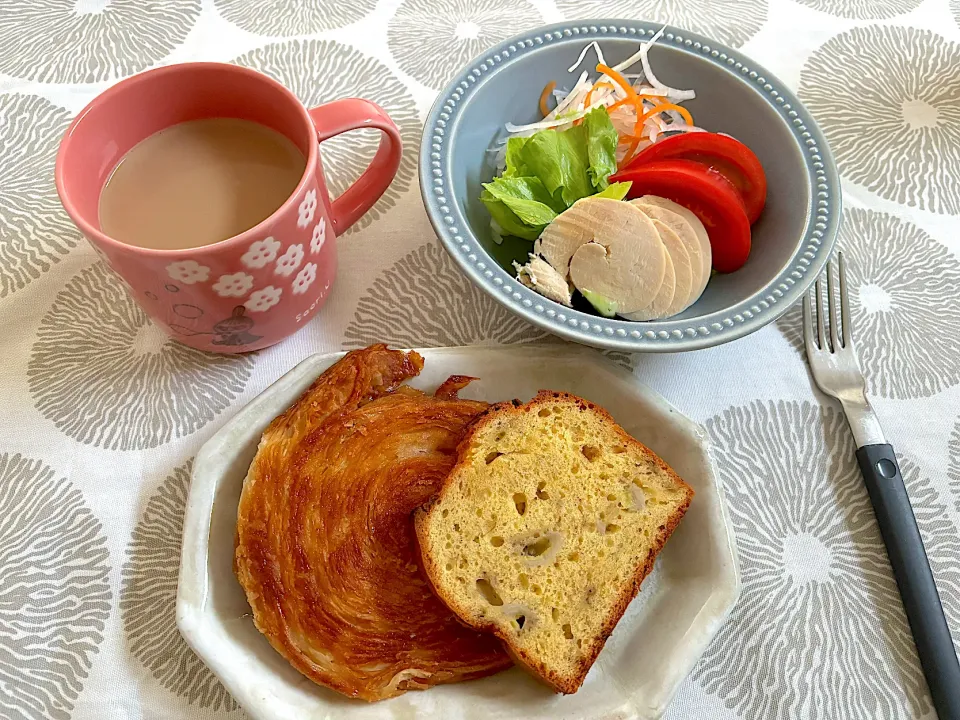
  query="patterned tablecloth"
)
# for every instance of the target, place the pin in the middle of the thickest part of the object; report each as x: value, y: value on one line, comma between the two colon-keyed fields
x: 102, y: 414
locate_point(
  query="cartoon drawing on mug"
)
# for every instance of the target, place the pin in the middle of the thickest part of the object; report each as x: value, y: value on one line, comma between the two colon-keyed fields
x: 235, y: 329
x: 232, y: 332
x: 190, y: 312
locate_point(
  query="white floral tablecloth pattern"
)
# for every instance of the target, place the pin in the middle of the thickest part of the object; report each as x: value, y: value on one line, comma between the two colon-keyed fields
x: 102, y: 414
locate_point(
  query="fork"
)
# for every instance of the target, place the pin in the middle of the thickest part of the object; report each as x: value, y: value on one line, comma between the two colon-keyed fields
x: 836, y: 370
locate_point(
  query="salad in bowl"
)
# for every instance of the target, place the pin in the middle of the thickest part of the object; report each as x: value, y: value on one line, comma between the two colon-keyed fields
x: 630, y: 205
x: 629, y: 186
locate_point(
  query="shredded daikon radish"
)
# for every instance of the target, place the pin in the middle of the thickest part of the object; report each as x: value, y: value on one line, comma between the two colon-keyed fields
x: 685, y: 128
x: 500, y: 157
x: 672, y: 93
x: 582, y: 86
x: 641, y: 55
x: 650, y: 90
x: 496, y: 231
x: 606, y: 91
x: 636, y: 57
x: 583, y: 53
x: 548, y: 122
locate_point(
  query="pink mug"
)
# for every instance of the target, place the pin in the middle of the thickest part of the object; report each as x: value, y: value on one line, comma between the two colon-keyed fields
x: 258, y: 287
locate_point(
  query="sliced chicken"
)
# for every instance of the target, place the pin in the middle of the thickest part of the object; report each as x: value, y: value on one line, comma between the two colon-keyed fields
x: 609, y: 248
x: 703, y: 240
x: 601, y: 220
x: 540, y: 276
x: 683, y: 274
x: 691, y: 244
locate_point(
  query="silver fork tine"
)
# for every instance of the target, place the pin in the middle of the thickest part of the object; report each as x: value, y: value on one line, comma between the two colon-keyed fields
x: 807, y: 322
x: 820, y: 341
x: 832, y: 308
x: 844, y: 303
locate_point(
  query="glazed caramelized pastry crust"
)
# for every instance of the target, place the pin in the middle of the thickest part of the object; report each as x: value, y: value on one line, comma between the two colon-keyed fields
x: 325, y: 544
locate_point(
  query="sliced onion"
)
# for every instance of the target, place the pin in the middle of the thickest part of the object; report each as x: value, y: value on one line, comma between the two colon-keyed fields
x: 496, y: 231
x: 551, y: 122
x: 571, y: 96
x: 583, y: 54
x: 684, y: 128
x: 641, y: 55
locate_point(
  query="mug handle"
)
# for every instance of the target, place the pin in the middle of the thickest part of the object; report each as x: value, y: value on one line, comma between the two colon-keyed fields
x: 340, y: 116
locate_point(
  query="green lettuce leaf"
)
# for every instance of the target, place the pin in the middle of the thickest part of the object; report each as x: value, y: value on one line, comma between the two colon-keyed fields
x: 615, y: 191
x: 515, y: 166
x: 602, y: 139
x: 549, y: 171
x: 525, y: 197
x: 560, y: 160
x: 508, y: 221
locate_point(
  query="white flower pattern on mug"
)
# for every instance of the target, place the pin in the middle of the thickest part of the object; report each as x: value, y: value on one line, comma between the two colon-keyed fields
x: 319, y: 236
x: 188, y: 271
x: 305, y: 279
x: 261, y: 253
x: 263, y: 299
x: 307, y: 208
x: 234, y: 285
x: 289, y: 261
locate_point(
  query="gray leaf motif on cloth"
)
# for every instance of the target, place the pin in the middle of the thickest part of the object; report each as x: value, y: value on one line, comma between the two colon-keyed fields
x: 34, y: 229
x: 85, y: 41
x: 54, y: 590
x: 819, y: 628
x: 424, y: 300
x: 894, y: 126
x: 955, y: 9
x: 283, y: 18
x: 458, y: 31
x: 319, y: 71
x: 148, y: 598
x: 863, y: 9
x: 953, y: 471
x: 731, y: 22
x: 105, y: 375
x: 904, y: 302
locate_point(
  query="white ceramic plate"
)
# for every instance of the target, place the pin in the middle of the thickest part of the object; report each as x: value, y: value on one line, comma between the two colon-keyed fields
x: 678, y: 611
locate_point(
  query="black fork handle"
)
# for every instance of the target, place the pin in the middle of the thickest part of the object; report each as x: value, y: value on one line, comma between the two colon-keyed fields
x: 898, y: 526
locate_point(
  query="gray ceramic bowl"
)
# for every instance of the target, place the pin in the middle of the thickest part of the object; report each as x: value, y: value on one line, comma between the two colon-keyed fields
x: 791, y: 241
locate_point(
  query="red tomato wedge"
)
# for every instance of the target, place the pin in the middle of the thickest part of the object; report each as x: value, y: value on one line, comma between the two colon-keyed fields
x: 728, y: 156
x: 706, y: 193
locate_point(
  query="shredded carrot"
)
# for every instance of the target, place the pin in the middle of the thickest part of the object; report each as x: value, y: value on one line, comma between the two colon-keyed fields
x: 618, y: 79
x: 632, y: 96
x: 586, y: 101
x: 547, y: 89
x: 631, y: 152
x: 636, y: 99
x: 655, y: 99
x: 687, y: 117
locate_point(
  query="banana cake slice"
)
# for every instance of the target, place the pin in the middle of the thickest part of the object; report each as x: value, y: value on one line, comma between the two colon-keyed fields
x: 545, y: 528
